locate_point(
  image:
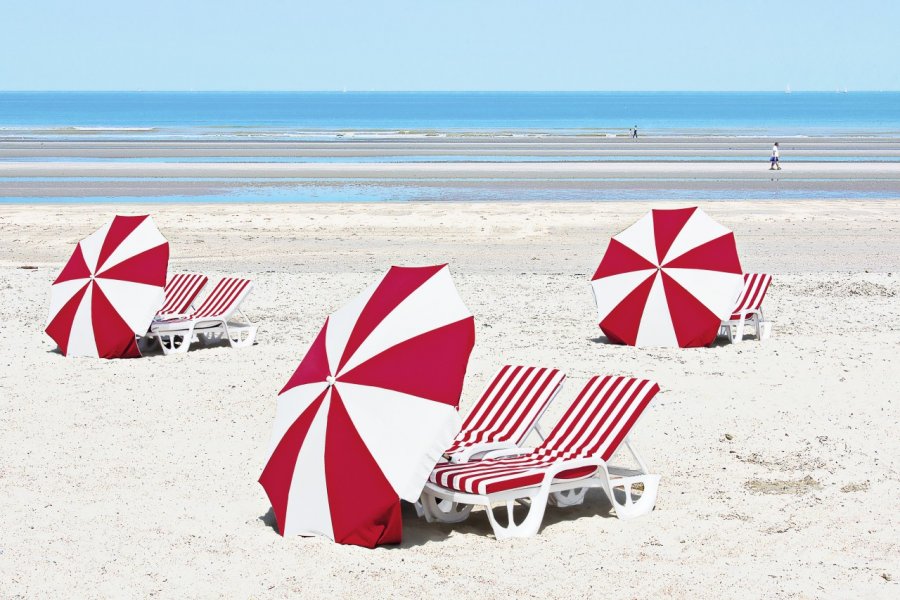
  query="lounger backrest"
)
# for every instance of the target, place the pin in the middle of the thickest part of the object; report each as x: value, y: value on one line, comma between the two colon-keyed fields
x: 181, y: 291
x: 510, y: 406
x: 224, y: 299
x: 755, y: 287
x: 599, y: 419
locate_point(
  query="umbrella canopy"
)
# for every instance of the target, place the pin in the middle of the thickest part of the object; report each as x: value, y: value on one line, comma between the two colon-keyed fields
x: 109, y: 290
x: 668, y: 280
x: 370, y: 409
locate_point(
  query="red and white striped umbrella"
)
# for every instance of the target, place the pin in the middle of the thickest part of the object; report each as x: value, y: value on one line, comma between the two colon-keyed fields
x: 668, y: 280
x: 370, y: 409
x: 109, y: 290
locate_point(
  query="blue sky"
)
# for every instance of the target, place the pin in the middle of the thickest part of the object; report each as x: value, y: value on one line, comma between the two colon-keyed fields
x: 449, y: 45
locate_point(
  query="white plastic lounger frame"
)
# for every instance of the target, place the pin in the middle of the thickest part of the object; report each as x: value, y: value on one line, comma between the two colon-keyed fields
x: 574, y: 456
x: 748, y: 308
x: 181, y: 291
x: 211, y: 320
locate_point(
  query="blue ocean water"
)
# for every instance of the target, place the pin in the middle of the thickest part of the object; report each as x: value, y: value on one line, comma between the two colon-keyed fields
x: 757, y: 112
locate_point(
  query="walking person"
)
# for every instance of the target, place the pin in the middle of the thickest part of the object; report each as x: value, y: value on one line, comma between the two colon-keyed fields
x: 634, y: 133
x: 773, y: 161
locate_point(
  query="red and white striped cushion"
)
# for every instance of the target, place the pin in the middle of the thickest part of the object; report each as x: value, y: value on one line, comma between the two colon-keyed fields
x: 595, y: 424
x: 181, y: 291
x: 509, y: 407
x: 755, y: 287
x: 223, y: 300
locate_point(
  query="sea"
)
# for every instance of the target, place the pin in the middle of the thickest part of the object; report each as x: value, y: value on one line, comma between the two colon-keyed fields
x: 86, y: 117
x: 770, y: 113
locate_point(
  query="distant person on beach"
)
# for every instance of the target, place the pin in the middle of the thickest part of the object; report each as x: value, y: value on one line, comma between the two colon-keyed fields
x: 634, y: 133
x: 773, y: 161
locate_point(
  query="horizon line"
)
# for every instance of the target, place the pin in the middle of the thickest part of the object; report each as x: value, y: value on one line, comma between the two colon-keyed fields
x: 349, y: 91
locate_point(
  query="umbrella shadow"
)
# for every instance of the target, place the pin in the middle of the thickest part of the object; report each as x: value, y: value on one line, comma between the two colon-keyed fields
x: 723, y: 341
x: 416, y: 531
x: 269, y: 520
x: 602, y: 339
x: 155, y: 349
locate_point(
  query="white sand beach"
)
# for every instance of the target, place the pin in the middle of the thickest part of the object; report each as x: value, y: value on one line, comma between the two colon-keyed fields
x: 780, y: 460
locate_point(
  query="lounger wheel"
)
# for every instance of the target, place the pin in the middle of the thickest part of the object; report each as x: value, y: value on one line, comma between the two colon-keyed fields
x: 442, y: 511
x: 628, y: 507
x: 572, y: 497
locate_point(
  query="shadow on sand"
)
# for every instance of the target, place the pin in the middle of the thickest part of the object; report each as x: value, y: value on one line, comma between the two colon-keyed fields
x: 417, y: 531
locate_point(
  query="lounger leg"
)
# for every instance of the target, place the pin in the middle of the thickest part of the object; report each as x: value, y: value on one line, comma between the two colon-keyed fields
x: 165, y: 342
x: 727, y: 329
x: 628, y: 507
x: 168, y: 340
x: 442, y: 511
x: 235, y: 339
x: 249, y: 333
x: 740, y: 330
x: 529, y: 526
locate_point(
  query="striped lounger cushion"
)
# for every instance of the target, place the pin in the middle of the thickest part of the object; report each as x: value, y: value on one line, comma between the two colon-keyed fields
x: 509, y: 408
x: 755, y: 287
x: 181, y: 291
x: 222, y: 300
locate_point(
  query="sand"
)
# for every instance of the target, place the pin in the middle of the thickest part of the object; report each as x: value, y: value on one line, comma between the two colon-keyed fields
x: 138, y: 478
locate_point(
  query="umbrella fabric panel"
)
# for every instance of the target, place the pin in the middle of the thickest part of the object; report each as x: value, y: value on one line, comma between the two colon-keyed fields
x: 366, y: 519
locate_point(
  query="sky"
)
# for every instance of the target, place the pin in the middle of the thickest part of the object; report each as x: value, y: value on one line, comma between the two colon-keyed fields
x: 449, y: 45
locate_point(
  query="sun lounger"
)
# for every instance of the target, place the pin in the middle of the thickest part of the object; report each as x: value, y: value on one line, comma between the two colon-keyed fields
x: 180, y: 292
x: 211, y: 320
x: 748, y: 308
x: 573, y: 456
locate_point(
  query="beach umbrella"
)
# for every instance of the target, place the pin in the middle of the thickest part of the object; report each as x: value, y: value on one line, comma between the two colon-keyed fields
x: 109, y: 290
x: 371, y: 408
x: 668, y: 280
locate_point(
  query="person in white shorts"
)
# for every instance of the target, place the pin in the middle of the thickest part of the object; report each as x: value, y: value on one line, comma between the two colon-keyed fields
x: 774, y: 166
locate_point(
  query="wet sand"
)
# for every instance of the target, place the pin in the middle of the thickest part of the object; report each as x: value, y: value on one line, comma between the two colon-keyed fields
x: 40, y: 168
